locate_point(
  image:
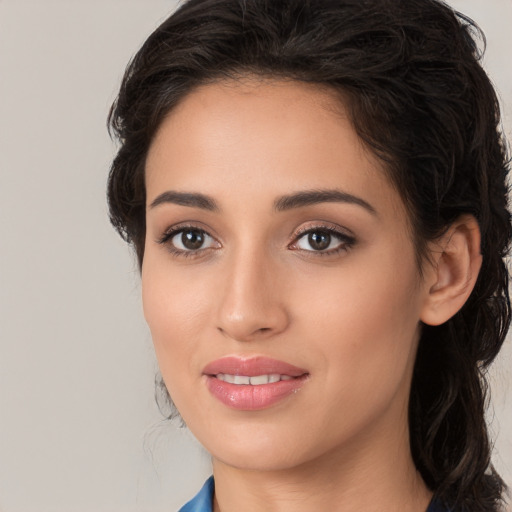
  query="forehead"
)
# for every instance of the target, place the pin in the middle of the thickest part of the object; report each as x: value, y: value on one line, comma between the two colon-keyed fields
x: 263, y: 135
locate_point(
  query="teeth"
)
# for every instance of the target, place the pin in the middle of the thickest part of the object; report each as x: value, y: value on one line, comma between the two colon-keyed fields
x: 254, y: 381
x: 260, y: 379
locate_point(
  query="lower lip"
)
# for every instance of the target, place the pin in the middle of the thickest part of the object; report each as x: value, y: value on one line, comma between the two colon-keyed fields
x: 246, y: 397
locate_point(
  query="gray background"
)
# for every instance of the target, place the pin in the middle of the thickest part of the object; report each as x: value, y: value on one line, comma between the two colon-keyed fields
x: 79, y: 430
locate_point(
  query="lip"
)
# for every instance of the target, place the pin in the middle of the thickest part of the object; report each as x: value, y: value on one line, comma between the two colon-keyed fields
x: 248, y: 397
x: 252, y: 366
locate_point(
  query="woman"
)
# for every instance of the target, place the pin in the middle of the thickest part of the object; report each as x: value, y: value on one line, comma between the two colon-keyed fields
x: 316, y: 195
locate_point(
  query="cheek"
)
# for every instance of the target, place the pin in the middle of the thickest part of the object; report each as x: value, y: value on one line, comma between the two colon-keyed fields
x: 176, y: 311
x: 366, y: 323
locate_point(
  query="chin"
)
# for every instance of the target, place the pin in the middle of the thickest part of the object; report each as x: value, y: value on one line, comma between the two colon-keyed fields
x: 252, y: 459
x: 260, y: 447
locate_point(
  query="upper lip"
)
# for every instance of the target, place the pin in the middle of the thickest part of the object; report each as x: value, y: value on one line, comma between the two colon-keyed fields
x: 252, y: 367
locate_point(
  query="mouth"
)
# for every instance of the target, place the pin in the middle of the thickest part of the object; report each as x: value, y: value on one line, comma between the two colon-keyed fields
x: 253, y: 384
x: 256, y: 380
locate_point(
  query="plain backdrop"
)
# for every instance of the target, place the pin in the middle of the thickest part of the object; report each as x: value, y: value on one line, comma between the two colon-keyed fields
x: 79, y: 430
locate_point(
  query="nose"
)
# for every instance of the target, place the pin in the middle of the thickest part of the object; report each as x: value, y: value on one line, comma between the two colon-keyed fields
x: 252, y: 303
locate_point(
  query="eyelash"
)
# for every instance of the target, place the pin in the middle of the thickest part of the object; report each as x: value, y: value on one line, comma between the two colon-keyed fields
x: 346, y: 241
x: 172, y: 232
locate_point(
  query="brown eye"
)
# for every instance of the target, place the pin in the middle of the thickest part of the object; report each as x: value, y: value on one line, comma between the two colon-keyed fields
x: 324, y: 241
x: 319, y: 241
x: 191, y: 240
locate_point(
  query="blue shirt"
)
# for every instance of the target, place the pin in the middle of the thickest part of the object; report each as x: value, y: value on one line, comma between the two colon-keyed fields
x: 203, y: 501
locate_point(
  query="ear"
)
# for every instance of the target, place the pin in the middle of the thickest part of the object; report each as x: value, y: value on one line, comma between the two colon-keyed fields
x: 455, y: 264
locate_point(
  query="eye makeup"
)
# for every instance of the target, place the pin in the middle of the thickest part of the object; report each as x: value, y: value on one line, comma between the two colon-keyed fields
x: 323, y: 240
x: 314, y: 239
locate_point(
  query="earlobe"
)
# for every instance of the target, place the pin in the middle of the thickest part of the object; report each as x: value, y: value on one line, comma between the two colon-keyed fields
x: 456, y: 262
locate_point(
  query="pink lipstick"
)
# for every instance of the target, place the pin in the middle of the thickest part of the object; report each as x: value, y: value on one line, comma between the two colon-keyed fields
x: 254, y: 383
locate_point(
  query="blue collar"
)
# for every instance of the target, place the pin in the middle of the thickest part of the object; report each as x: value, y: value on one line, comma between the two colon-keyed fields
x: 203, y: 500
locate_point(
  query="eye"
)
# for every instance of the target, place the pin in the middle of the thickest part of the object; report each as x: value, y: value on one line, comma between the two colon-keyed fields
x: 191, y: 240
x: 323, y: 240
x: 188, y: 240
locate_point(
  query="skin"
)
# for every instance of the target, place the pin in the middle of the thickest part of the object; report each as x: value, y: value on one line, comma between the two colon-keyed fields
x: 257, y: 287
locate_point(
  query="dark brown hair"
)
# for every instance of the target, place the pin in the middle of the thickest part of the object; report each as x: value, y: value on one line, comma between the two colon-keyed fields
x: 409, y: 73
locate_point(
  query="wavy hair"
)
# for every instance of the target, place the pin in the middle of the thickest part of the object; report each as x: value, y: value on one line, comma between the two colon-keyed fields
x: 409, y: 73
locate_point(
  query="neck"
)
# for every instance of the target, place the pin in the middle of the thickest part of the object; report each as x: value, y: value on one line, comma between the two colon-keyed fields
x: 376, y: 473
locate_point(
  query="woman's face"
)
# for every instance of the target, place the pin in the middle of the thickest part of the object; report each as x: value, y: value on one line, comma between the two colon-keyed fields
x: 279, y: 279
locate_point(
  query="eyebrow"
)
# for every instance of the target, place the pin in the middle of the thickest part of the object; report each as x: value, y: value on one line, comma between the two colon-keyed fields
x: 283, y: 203
x: 311, y: 197
x: 193, y: 200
